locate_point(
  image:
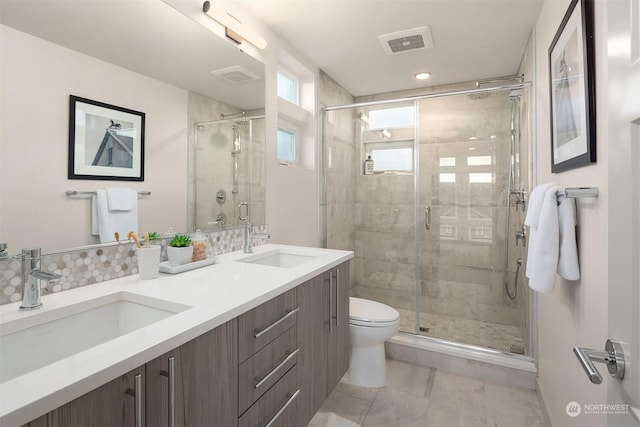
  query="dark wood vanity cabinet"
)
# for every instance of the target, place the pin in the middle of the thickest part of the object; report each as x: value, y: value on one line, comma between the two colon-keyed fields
x: 273, y: 365
x: 119, y: 402
x: 324, y: 338
x: 269, y: 349
x: 196, y: 383
x: 193, y: 385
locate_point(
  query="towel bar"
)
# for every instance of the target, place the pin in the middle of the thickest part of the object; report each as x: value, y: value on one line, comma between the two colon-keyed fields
x: 90, y: 193
x: 573, y: 193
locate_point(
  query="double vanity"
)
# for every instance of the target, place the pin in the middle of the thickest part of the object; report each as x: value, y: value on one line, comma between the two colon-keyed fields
x: 253, y: 340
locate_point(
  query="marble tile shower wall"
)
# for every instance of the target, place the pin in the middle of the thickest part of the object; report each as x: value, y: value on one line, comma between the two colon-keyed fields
x: 462, y: 269
x: 210, y: 165
x: 86, y: 266
x: 340, y: 162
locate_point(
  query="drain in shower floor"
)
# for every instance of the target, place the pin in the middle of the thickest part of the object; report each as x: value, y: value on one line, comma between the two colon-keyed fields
x: 518, y: 349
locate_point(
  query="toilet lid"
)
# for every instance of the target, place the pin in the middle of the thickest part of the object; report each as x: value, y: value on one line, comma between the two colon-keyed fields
x: 364, y: 310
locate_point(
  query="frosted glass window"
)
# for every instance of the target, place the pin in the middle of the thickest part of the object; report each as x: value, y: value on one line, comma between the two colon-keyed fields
x: 447, y: 161
x: 447, y: 177
x: 391, y: 118
x: 286, y: 146
x: 479, y: 160
x: 480, y: 178
x: 287, y: 87
x: 392, y: 159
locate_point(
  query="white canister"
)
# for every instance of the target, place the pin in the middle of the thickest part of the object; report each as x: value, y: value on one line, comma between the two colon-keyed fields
x: 148, y: 261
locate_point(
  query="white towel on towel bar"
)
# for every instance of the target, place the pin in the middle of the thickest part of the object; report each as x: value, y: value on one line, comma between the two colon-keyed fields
x: 110, y: 221
x: 121, y: 199
x: 535, y: 204
x: 544, y: 242
x: 568, y: 266
x: 552, y: 238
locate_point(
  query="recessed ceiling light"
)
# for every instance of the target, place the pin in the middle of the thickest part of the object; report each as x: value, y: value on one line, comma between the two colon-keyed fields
x: 423, y: 76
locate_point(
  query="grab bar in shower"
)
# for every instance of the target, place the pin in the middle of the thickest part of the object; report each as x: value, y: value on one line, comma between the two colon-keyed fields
x: 572, y: 193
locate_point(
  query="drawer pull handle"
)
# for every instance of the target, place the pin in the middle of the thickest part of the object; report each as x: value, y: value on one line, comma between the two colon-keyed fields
x: 170, y: 374
x: 337, y: 298
x: 257, y: 333
x: 261, y: 381
x: 275, y: 417
x: 137, y: 395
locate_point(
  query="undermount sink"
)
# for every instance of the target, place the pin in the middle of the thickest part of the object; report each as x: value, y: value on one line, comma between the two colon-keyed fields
x: 278, y: 258
x: 38, y: 340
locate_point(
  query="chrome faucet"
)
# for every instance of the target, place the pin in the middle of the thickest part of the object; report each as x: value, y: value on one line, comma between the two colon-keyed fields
x: 4, y: 255
x: 249, y: 236
x: 31, y: 277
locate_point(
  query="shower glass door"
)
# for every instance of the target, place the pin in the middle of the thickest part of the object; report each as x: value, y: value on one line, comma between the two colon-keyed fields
x: 383, y: 198
x: 464, y: 155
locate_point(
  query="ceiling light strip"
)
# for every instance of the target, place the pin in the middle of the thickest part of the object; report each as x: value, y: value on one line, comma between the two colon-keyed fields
x: 234, y: 29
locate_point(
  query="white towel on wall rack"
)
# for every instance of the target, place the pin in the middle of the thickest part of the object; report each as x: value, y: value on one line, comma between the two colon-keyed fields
x: 568, y: 266
x: 109, y: 221
x: 544, y: 241
x: 122, y: 199
x: 552, y: 240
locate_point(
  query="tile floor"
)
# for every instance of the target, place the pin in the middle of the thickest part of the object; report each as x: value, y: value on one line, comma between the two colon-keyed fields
x: 475, y: 332
x: 426, y: 397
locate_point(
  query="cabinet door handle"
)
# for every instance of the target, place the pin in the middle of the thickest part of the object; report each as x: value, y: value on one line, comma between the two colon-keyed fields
x: 337, y: 299
x: 137, y: 396
x: 171, y: 376
x: 284, y: 407
x: 427, y: 218
x: 257, y: 333
x: 330, y: 301
x: 264, y: 379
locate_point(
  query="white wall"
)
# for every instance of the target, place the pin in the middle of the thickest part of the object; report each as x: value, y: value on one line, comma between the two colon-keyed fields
x: 37, y: 79
x: 293, y: 197
x: 575, y: 314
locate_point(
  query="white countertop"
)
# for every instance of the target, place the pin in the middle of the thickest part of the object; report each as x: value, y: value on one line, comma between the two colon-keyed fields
x: 216, y: 294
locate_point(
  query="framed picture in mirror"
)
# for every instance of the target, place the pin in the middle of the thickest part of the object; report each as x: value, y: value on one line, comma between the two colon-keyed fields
x: 572, y: 89
x: 106, y: 142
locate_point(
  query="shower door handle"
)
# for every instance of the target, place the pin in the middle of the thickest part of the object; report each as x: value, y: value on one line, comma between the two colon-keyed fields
x: 427, y: 218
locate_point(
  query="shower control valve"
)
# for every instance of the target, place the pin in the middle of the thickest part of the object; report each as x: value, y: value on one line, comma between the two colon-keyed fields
x: 520, y: 199
x: 521, y: 235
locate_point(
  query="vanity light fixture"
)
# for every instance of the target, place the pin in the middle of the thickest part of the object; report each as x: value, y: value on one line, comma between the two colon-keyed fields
x: 423, y: 75
x: 234, y: 29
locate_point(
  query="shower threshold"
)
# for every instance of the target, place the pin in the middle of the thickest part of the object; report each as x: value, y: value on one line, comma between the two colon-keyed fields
x: 493, y: 365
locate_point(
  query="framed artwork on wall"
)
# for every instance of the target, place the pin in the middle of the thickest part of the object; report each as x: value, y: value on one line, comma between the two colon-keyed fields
x: 106, y: 142
x: 572, y: 89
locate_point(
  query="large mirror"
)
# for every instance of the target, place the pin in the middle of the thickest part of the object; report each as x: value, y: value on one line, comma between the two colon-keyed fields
x: 204, y: 127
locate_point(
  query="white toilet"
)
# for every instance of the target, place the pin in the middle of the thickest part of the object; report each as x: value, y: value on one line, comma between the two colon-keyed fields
x: 370, y: 325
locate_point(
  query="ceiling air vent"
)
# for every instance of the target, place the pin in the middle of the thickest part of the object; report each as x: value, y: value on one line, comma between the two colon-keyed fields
x: 407, y: 40
x: 236, y: 74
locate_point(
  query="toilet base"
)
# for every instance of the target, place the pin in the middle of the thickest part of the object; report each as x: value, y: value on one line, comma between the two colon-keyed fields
x: 367, y: 366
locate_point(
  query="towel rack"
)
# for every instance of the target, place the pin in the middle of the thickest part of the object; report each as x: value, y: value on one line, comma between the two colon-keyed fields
x: 573, y: 193
x: 91, y: 193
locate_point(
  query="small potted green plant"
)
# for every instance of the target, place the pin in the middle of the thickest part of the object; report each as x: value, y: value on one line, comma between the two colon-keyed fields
x: 179, y: 250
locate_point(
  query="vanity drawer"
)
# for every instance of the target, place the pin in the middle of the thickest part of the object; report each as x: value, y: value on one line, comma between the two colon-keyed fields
x: 278, y: 406
x: 263, y: 324
x: 258, y: 373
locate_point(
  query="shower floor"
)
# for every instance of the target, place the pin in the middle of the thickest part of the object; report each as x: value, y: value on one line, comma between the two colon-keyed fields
x: 474, y: 332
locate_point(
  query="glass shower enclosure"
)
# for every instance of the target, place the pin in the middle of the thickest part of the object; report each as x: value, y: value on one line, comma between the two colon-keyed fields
x: 432, y: 223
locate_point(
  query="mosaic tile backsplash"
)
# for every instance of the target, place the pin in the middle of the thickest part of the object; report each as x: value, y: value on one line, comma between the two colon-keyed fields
x: 91, y: 265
